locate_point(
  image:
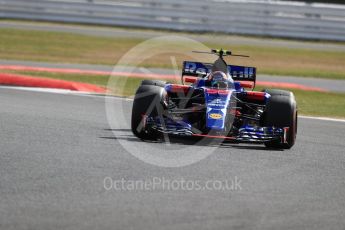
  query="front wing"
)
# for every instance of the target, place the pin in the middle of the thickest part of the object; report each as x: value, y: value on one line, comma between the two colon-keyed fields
x: 246, y: 134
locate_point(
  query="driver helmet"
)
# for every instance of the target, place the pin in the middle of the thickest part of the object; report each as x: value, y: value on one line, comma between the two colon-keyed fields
x: 218, y: 79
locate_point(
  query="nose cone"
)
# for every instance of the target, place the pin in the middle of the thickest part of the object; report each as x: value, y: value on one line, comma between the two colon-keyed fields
x: 217, y: 102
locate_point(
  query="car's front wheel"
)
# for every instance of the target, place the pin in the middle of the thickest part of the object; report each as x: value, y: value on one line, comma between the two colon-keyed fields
x: 148, y: 102
x: 281, y: 111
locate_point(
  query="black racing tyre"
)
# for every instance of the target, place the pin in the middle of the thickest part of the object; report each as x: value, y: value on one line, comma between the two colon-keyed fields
x: 154, y: 82
x: 149, y: 101
x: 281, y: 111
x: 277, y: 92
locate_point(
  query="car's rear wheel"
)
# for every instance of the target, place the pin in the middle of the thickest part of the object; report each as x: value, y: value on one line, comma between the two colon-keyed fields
x: 148, y: 102
x: 281, y: 111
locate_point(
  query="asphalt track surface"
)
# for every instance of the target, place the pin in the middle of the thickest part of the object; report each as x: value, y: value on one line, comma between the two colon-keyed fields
x: 326, y: 84
x: 56, y: 150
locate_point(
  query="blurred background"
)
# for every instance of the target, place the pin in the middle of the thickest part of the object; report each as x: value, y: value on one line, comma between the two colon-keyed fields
x: 298, y: 45
x: 299, y: 20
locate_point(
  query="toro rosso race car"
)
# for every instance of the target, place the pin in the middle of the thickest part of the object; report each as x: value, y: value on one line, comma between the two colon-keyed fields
x: 213, y: 102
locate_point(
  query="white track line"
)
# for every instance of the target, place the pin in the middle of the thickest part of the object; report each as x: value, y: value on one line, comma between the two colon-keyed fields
x: 322, y: 118
x: 71, y: 92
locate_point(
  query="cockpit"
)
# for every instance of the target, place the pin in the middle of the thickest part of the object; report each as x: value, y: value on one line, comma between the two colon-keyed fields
x: 218, y: 80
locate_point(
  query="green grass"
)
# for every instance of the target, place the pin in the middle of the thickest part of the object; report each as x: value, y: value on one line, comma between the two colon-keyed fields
x: 18, y: 44
x: 320, y: 104
x: 309, y: 103
x: 324, y: 104
x: 61, y: 47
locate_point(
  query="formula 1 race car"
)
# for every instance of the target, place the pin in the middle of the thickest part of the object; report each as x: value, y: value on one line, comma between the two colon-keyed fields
x: 215, y: 104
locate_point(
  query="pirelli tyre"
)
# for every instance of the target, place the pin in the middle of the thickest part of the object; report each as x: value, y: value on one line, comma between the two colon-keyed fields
x: 281, y: 111
x: 148, y: 102
x: 154, y: 82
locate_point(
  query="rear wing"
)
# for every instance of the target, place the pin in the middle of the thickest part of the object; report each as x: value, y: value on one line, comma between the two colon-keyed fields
x: 238, y: 73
